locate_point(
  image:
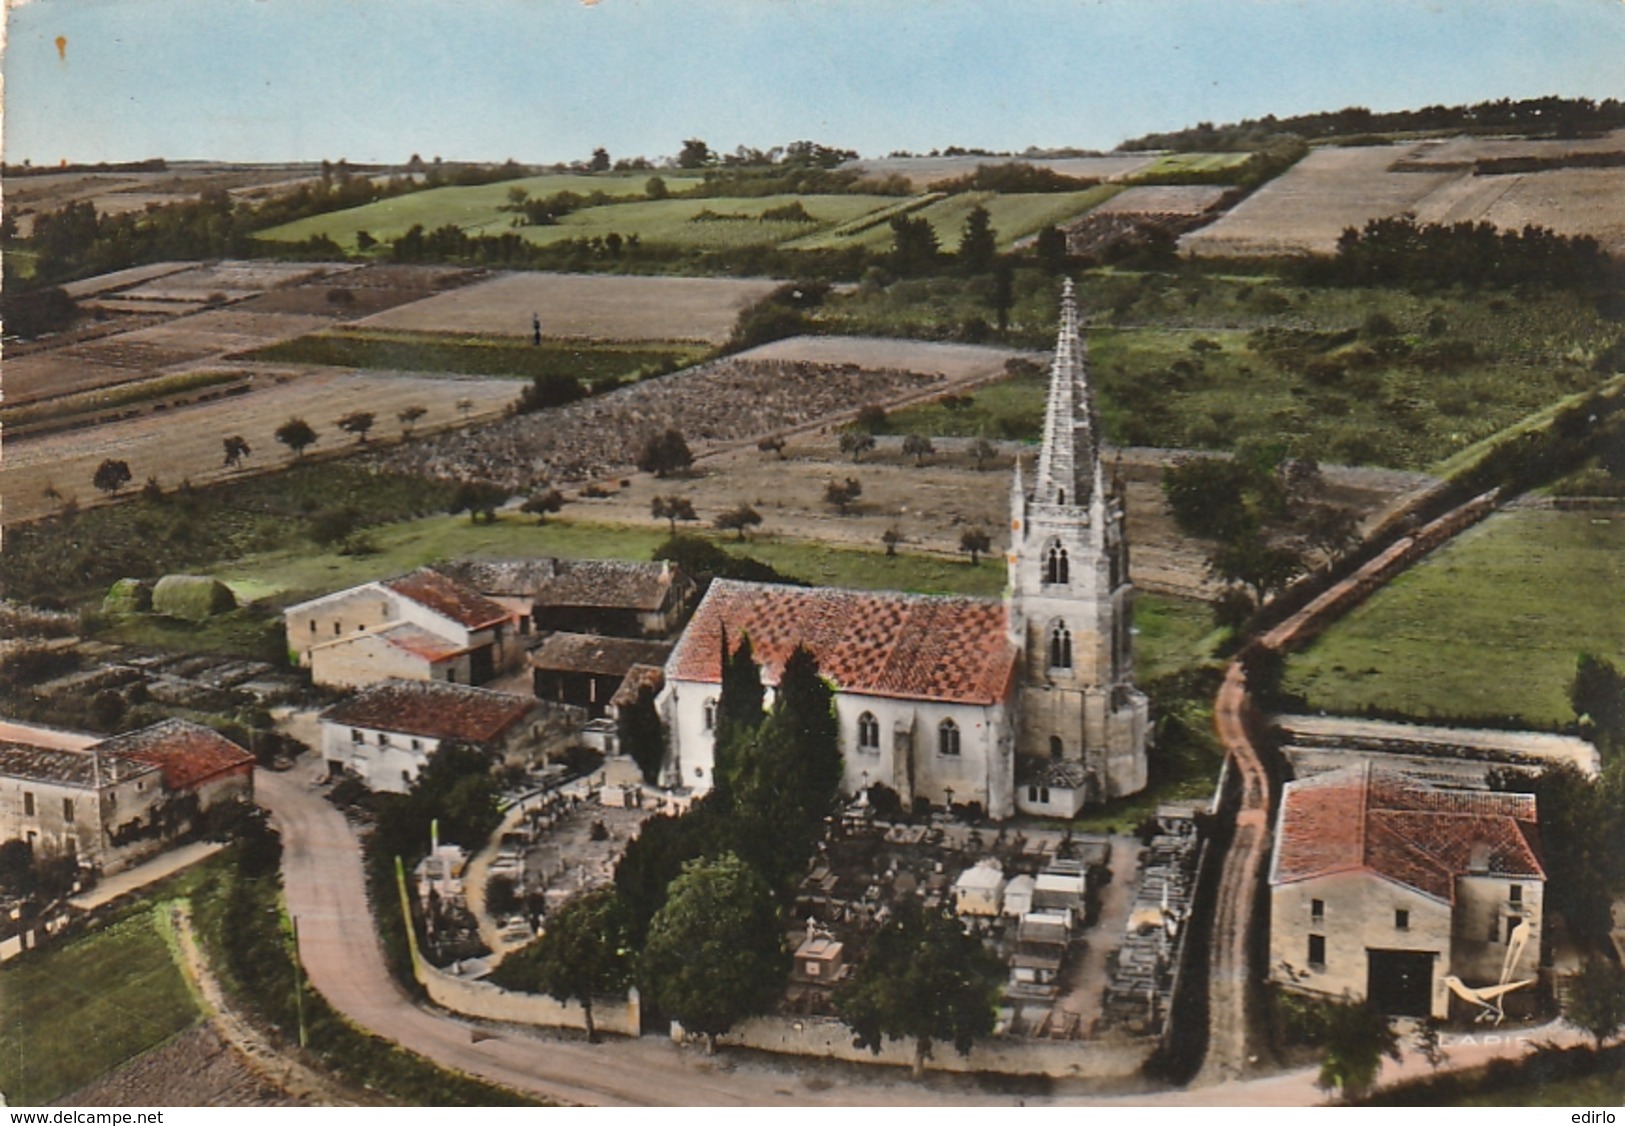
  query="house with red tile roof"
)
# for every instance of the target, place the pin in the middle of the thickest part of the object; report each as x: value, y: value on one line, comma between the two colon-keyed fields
x: 386, y: 733
x: 1383, y: 886
x: 420, y: 626
x: 965, y: 700
x: 113, y: 802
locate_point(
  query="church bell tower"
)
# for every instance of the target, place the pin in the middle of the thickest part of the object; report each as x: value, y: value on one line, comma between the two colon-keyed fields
x: 1070, y: 602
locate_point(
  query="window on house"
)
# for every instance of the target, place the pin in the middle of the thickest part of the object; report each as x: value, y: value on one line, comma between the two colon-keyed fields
x: 383, y: 740
x: 1055, y: 564
x: 1317, y: 909
x: 1043, y: 794
x: 357, y: 736
x: 1056, y: 747
x: 1402, y: 919
x: 1317, y: 951
x: 868, y: 732
x: 1515, y: 893
x: 1512, y: 924
x: 406, y: 776
x: 948, y: 737
x: 338, y: 628
x: 1060, y: 496
x: 1032, y: 793
x: 710, y: 714
x: 417, y: 744
x: 28, y: 804
x: 451, y: 676
x: 313, y: 625
x: 1060, y: 647
x: 1495, y: 927
x: 67, y: 810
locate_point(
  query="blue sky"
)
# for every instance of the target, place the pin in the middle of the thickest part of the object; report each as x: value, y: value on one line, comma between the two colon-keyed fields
x: 548, y: 80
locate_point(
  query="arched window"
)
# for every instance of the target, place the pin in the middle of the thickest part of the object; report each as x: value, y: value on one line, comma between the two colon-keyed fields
x: 1060, y: 647
x: 1055, y: 564
x: 1060, y: 496
x: 948, y: 737
x: 868, y: 732
x: 1056, y: 747
x: 711, y: 714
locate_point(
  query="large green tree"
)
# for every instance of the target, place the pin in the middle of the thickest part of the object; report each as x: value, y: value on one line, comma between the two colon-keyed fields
x: 585, y: 953
x: 1597, y: 1001
x: 1355, y: 1039
x: 714, y: 956
x: 641, y: 733
x: 978, y: 242
x: 1598, y: 697
x: 926, y: 980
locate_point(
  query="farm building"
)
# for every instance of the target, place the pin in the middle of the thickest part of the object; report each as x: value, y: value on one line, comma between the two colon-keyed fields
x: 111, y: 803
x: 421, y: 626
x: 1388, y: 888
x: 587, y: 671
x: 962, y: 700
x: 385, y: 734
x: 606, y: 596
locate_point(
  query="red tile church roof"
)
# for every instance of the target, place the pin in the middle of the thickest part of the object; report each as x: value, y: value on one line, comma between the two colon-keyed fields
x: 1362, y: 819
x: 872, y: 643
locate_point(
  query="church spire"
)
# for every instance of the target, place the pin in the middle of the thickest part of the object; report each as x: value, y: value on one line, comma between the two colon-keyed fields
x: 1068, y: 464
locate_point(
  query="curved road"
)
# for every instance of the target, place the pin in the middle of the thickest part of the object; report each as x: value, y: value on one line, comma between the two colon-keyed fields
x: 321, y: 868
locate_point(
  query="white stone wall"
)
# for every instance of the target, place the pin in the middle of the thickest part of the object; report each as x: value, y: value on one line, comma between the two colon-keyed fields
x: 1483, y: 906
x: 1359, y: 916
x: 364, y: 659
x: 390, y: 766
x: 338, y: 615
x: 86, y: 833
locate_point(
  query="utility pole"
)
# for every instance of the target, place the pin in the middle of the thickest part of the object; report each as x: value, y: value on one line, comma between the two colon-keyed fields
x: 298, y: 985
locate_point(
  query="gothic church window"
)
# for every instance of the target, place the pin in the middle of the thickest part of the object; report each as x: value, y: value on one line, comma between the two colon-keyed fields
x: 1056, y: 747
x: 868, y: 732
x: 1060, y: 647
x: 1055, y: 565
x: 710, y: 715
x: 948, y: 737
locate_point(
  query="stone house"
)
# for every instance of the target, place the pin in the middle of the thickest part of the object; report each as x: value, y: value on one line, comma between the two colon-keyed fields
x: 421, y: 626
x: 618, y: 598
x: 386, y: 733
x: 1383, y: 886
x: 111, y: 803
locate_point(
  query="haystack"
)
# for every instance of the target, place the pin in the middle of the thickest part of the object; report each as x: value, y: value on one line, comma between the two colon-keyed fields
x: 193, y: 597
x: 128, y: 596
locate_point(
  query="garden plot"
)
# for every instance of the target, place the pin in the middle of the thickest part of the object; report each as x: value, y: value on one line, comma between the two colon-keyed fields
x: 1307, y: 209
x: 185, y: 443
x: 361, y: 293
x: 1164, y: 199
x: 1569, y: 201
x: 45, y: 375
x: 233, y: 280
x: 218, y: 332
x: 577, y: 306
x: 123, y: 279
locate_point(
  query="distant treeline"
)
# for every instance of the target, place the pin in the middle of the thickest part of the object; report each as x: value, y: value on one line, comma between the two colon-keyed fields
x: 1542, y: 117
x: 156, y: 164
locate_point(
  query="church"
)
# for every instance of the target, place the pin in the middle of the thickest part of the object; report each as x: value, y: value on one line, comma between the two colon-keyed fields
x: 1022, y: 703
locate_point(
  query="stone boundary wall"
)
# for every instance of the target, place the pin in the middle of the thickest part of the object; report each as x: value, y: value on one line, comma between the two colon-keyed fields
x: 830, y: 1039
x: 492, y: 1002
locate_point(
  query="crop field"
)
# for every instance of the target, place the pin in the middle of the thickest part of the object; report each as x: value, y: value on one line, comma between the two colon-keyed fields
x: 951, y: 361
x: 75, y: 1010
x: 474, y: 209
x: 1307, y: 208
x: 1489, y: 626
x: 186, y: 443
x: 1164, y: 199
x: 709, y: 224
x: 923, y: 171
x: 593, y: 307
x: 115, y: 193
x: 464, y: 355
x: 1014, y: 216
x: 116, y: 397
x: 1176, y: 163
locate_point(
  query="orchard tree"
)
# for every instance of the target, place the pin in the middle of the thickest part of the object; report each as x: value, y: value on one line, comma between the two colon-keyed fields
x: 541, y: 504
x: 408, y: 416
x: 1255, y: 563
x: 918, y: 447
x: 738, y: 519
x: 773, y: 444
x: 983, y: 452
x: 296, y: 434
x: 357, y: 423
x: 585, y: 953
x: 857, y: 443
x: 665, y: 453
x: 111, y: 476
x: 924, y: 980
x: 480, y: 499
x: 672, y: 509
x: 891, y: 537
x: 713, y: 957
x: 236, y: 448
x: 843, y: 494
x: 976, y: 543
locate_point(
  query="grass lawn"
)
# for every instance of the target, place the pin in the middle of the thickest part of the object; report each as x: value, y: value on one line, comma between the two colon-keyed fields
x: 415, y: 352
x: 735, y: 221
x: 1489, y: 626
x: 1584, y: 1091
x: 73, y: 1011
x: 1185, y: 162
x: 247, y: 633
x: 472, y: 208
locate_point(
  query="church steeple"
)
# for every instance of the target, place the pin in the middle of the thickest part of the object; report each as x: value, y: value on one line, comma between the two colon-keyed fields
x: 1069, y: 463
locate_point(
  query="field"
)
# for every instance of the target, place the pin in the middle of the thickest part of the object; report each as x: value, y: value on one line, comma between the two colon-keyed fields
x: 1490, y: 626
x: 462, y: 355
x: 1178, y: 163
x: 1308, y: 207
x: 186, y: 443
x: 923, y: 171
x: 1014, y: 216
x: 474, y: 209
x: 76, y: 1010
x: 1164, y: 199
x: 598, y: 307
x: 115, y: 193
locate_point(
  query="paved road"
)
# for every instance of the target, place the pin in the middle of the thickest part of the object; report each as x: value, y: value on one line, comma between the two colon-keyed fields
x: 325, y: 890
